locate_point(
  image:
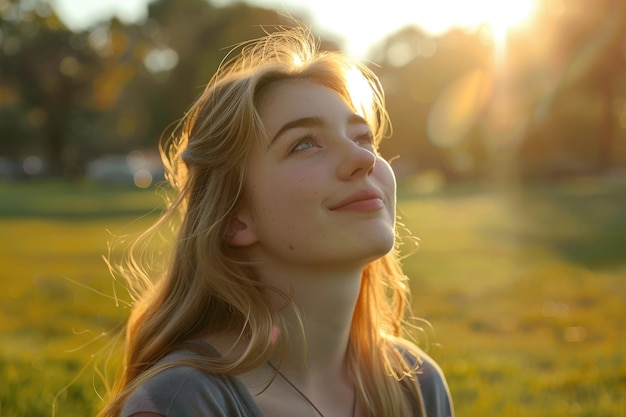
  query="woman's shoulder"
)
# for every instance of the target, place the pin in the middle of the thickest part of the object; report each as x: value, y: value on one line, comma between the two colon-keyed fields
x: 432, y: 381
x: 180, y: 390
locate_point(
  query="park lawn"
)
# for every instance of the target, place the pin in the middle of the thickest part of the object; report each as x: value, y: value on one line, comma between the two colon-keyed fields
x: 525, y: 292
x: 521, y: 290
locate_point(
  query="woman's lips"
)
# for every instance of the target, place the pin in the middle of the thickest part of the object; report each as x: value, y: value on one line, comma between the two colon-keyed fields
x: 362, y: 200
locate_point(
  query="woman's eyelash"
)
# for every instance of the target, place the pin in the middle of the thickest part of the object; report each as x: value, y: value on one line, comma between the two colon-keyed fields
x: 302, y: 143
x: 305, y: 140
x: 366, y: 137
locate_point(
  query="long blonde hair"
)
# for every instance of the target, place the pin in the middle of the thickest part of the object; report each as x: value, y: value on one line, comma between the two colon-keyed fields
x: 207, y: 287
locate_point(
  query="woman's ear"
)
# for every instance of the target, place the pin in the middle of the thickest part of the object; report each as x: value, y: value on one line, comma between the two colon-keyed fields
x: 239, y: 231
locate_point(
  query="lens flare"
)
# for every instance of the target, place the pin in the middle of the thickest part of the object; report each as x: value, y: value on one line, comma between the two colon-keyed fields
x: 457, y: 109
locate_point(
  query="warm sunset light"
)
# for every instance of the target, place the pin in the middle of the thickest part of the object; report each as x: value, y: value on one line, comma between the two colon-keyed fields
x: 368, y: 24
x: 502, y: 15
x: 499, y: 129
x: 360, y: 92
x: 374, y: 23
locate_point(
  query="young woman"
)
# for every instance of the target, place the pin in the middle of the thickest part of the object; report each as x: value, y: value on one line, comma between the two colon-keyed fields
x: 284, y: 295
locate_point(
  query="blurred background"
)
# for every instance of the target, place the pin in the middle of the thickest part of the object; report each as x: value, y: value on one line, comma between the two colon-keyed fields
x: 509, y: 145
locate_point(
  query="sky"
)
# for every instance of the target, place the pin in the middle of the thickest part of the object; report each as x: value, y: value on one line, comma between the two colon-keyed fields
x: 358, y: 24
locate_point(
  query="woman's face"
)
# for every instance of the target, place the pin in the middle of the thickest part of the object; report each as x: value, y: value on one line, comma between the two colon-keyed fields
x: 320, y: 196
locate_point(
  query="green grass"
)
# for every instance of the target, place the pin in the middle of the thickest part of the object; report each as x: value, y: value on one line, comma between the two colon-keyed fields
x: 523, y: 287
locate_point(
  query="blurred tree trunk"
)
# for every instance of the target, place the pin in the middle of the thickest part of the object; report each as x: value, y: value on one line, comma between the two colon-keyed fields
x: 48, y: 67
x: 56, y: 135
x: 604, y: 73
x: 607, y: 123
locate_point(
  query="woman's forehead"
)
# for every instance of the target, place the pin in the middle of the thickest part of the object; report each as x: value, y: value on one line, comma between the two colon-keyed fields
x: 305, y: 101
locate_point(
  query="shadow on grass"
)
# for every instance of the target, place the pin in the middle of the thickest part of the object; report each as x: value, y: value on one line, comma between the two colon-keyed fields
x: 582, y: 221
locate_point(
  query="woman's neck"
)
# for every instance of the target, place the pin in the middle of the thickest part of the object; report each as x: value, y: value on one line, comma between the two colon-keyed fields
x: 318, y: 322
x: 324, y: 301
x: 326, y: 305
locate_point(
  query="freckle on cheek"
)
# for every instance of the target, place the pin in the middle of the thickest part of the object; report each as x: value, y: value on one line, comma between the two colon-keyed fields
x: 291, y: 247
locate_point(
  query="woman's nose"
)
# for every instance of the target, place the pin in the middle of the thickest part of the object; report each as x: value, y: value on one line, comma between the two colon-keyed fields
x: 356, y: 161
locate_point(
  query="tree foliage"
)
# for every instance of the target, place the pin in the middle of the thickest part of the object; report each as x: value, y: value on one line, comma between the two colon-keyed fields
x: 554, y: 105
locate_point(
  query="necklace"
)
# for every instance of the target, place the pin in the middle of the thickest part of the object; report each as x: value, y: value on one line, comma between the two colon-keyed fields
x: 304, y: 396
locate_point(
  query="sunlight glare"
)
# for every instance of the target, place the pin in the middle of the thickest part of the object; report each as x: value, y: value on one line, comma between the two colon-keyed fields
x: 456, y: 111
x: 503, y: 15
x: 360, y: 92
x: 297, y: 60
x: 499, y: 15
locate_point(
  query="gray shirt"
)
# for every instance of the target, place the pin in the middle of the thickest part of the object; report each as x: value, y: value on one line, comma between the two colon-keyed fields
x: 183, y: 391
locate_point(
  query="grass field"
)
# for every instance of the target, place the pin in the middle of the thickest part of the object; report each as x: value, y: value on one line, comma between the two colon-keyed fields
x: 524, y: 290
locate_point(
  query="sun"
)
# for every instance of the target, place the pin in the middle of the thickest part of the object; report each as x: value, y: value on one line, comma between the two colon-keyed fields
x: 503, y: 15
x: 499, y: 15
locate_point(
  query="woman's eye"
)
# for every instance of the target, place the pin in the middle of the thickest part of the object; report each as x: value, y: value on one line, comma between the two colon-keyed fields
x: 304, y: 143
x: 365, y: 139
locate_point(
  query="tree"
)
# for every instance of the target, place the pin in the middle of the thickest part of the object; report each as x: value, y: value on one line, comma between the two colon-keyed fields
x: 200, y: 34
x: 44, y: 72
x: 416, y: 70
x: 574, y: 129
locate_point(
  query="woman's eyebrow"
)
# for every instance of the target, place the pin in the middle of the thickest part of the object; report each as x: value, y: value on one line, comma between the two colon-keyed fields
x: 302, y: 122
x: 313, y: 121
x: 355, y: 119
